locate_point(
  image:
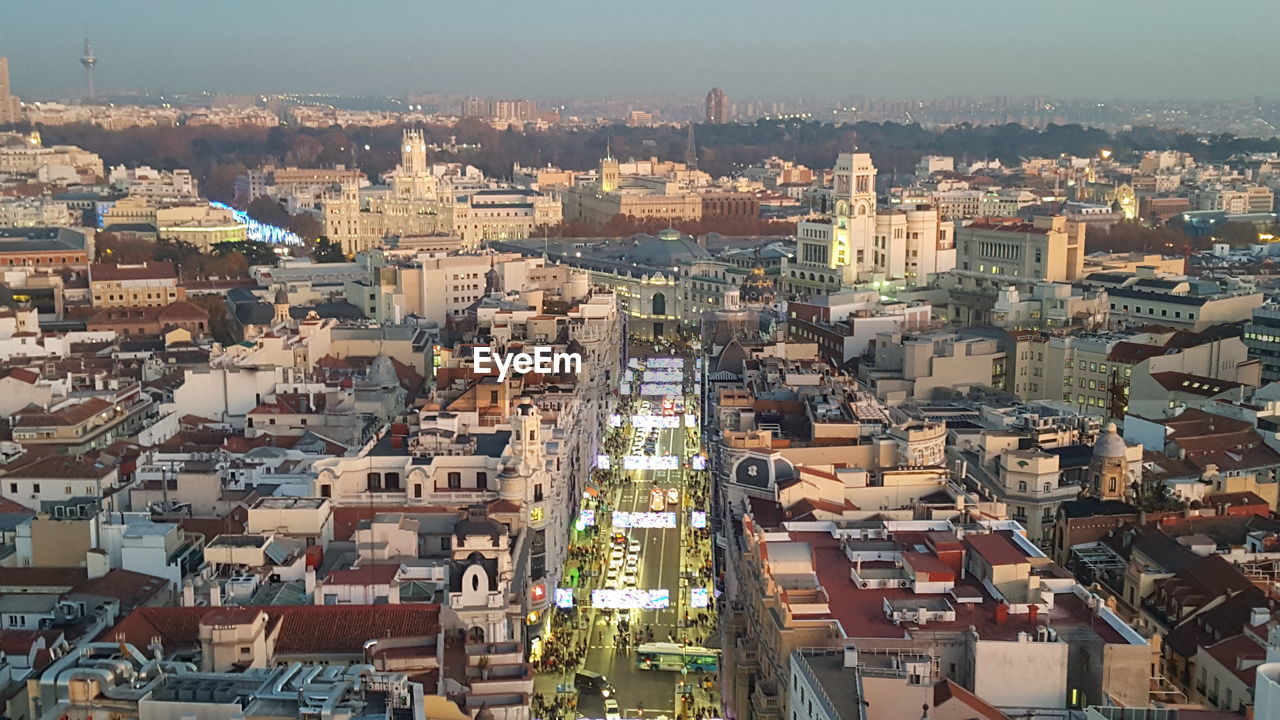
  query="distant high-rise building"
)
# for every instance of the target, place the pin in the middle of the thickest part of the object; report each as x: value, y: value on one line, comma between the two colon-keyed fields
x: 8, y: 103
x: 717, y: 107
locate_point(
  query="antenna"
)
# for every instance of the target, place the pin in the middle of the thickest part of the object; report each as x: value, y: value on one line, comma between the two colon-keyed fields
x: 88, y: 60
x: 691, y: 151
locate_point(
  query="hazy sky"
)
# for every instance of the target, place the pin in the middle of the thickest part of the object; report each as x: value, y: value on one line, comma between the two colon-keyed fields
x: 1104, y: 49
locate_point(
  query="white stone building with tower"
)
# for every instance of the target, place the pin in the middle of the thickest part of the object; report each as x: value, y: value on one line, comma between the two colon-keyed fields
x: 855, y: 243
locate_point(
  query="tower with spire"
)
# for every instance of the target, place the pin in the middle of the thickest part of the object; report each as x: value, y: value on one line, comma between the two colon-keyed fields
x: 88, y: 61
x: 608, y: 169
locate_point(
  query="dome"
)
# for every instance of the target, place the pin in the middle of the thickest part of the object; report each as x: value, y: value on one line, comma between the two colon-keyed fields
x: 757, y: 288
x: 383, y: 372
x: 282, y: 297
x: 667, y: 249
x: 1109, y: 443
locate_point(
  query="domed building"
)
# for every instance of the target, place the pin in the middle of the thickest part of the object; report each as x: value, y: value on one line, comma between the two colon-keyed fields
x: 668, y: 249
x: 757, y: 288
x: 1110, y: 468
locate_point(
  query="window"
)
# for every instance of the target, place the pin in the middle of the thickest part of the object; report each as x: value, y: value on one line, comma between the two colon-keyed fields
x: 482, y: 480
x: 455, y: 480
x: 537, y: 492
x: 417, y: 490
x: 446, y: 543
x: 391, y: 481
x: 373, y: 481
x: 1022, y: 486
x: 326, y: 491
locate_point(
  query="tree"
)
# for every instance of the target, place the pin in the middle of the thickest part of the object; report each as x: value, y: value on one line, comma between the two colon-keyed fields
x: 257, y: 253
x: 325, y: 250
x: 220, y: 325
x: 265, y: 210
x: 306, y: 226
x: 1235, y: 233
x: 1152, y: 494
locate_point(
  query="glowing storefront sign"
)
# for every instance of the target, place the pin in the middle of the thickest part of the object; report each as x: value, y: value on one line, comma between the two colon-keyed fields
x: 631, y: 599
x: 564, y: 598
x: 698, y: 519
x: 623, y: 519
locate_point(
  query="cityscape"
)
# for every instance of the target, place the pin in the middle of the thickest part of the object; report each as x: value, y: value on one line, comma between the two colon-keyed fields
x: 668, y: 374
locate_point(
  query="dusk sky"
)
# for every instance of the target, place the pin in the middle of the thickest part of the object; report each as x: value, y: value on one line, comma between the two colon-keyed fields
x: 562, y: 48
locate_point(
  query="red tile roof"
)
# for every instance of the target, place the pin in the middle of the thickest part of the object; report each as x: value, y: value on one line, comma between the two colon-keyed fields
x: 320, y: 629
x: 109, y: 272
x: 67, y: 416
x: 370, y: 574
x: 1193, y: 384
x: 996, y: 549
x: 23, y: 375
x: 948, y: 691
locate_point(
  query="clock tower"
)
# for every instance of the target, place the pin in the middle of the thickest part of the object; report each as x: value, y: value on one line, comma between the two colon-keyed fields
x: 413, y: 152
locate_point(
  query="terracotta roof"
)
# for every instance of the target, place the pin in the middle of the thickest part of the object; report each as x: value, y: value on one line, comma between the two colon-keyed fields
x: 154, y: 270
x: 1132, y: 353
x: 996, y: 549
x: 1240, y: 655
x: 67, y: 416
x: 320, y: 629
x: 42, y: 577
x: 23, y: 375
x: 1194, y: 384
x: 370, y: 574
x: 132, y: 589
x: 55, y: 466
x: 948, y: 691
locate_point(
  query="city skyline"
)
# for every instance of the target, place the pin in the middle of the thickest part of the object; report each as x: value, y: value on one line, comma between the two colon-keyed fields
x: 394, y: 48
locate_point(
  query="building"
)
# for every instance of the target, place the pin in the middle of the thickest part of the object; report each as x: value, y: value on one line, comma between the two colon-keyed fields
x: 47, y: 248
x: 408, y: 203
x: 200, y: 225
x: 501, y: 214
x: 643, y: 196
x: 992, y: 255
x: 147, y: 285
x: 833, y: 250
x: 928, y: 366
x: 718, y: 109
x: 10, y: 108
x: 1177, y: 301
x: 152, y: 319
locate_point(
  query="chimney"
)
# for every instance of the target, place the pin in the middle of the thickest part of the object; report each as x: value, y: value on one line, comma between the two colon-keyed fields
x: 309, y: 580
x: 1259, y: 615
x: 188, y: 593
x: 215, y: 594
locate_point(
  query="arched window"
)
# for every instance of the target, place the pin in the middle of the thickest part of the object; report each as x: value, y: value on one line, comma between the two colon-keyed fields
x: 659, y: 304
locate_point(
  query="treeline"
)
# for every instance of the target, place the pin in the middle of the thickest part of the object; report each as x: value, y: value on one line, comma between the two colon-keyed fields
x: 216, y: 155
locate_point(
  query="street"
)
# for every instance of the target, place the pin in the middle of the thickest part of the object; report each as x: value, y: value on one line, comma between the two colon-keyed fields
x: 668, y: 558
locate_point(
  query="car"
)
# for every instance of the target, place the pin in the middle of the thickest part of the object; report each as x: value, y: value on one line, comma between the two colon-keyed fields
x: 593, y: 682
x: 633, y: 546
x: 632, y: 563
x: 673, y: 495
x: 611, y: 577
x: 611, y: 710
x: 657, y: 500
x: 615, y: 562
x: 631, y: 578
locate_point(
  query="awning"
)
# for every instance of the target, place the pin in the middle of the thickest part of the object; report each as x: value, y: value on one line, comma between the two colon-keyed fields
x: 590, y: 491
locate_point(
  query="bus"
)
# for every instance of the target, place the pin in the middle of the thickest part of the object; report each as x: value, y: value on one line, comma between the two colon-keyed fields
x: 674, y: 657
